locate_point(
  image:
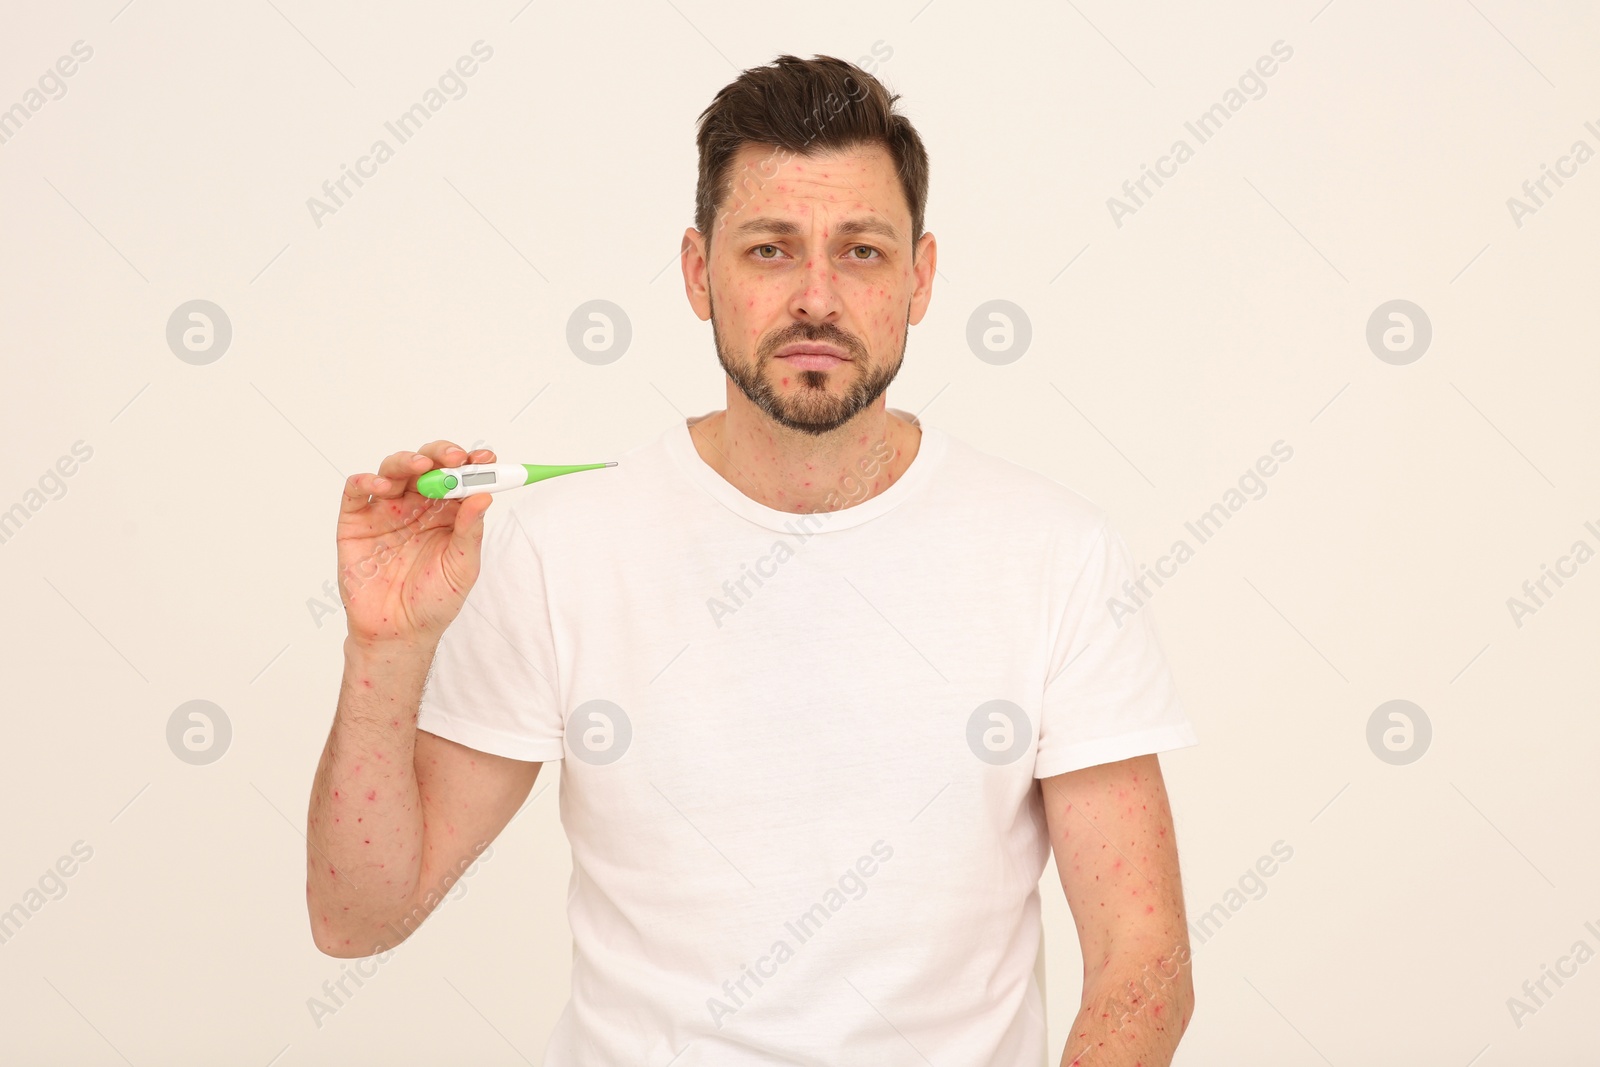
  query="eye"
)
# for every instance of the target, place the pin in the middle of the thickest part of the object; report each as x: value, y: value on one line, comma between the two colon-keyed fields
x: 757, y: 249
x: 869, y: 248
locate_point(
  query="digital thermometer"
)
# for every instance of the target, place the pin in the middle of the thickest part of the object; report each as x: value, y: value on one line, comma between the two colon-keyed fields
x: 469, y: 479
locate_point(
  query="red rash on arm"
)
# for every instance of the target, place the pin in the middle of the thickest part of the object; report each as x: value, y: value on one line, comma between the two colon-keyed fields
x: 1144, y: 953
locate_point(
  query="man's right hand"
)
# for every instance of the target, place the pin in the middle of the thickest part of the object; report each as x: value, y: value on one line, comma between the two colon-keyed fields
x: 397, y: 813
x: 407, y: 562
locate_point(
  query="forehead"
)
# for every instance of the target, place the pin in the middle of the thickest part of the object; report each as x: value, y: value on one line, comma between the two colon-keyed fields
x: 860, y: 181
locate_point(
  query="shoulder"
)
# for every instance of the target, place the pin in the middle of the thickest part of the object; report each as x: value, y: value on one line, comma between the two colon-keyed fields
x: 1014, y: 493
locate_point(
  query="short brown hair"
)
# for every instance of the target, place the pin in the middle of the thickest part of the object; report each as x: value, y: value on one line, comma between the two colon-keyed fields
x: 803, y: 106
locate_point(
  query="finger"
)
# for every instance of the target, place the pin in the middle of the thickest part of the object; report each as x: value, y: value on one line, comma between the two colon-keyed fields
x: 388, y: 483
x: 482, y: 455
x: 444, y: 453
x: 402, y: 465
x: 358, y: 491
x: 389, y: 488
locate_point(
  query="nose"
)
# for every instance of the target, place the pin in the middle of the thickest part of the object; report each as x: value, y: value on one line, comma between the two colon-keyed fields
x: 817, y: 295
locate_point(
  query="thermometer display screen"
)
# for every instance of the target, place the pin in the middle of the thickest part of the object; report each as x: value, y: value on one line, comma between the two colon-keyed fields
x: 478, y: 478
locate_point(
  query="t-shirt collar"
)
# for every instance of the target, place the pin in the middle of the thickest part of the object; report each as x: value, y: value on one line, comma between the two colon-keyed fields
x: 929, y: 455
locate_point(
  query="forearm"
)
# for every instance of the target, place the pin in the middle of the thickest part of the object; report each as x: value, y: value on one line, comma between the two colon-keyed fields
x: 1134, y: 1012
x: 364, y: 830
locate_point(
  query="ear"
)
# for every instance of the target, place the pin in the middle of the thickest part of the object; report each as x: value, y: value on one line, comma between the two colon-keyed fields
x: 927, y: 259
x: 695, y: 255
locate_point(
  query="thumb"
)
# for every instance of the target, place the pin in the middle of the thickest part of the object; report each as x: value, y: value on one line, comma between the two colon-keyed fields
x: 466, y: 539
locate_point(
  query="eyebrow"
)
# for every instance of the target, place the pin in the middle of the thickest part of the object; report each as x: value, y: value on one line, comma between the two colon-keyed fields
x: 848, y: 228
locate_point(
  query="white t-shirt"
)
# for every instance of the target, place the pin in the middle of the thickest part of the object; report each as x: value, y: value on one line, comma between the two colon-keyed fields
x: 801, y: 751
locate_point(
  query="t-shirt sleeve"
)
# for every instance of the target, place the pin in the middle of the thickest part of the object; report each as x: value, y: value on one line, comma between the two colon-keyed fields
x: 493, y: 682
x: 1110, y: 695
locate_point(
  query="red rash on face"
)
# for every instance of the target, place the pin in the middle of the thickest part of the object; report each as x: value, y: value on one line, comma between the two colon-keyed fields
x: 780, y: 291
x: 372, y: 794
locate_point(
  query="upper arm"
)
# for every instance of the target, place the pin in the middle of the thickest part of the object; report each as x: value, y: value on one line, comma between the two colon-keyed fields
x: 1111, y: 832
x: 467, y: 798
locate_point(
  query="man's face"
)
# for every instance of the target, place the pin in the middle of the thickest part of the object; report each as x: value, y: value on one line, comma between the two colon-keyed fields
x: 811, y: 285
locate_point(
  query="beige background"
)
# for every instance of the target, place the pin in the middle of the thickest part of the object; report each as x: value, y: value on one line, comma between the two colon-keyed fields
x: 1226, y: 314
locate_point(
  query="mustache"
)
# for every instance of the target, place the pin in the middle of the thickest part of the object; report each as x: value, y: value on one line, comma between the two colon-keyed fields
x: 804, y: 332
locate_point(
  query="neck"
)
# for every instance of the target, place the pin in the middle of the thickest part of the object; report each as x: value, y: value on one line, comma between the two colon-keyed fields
x: 788, y: 470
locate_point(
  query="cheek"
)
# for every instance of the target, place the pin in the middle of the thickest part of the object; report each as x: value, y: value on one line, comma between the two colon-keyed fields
x: 743, y: 298
x: 755, y: 300
x: 885, y: 311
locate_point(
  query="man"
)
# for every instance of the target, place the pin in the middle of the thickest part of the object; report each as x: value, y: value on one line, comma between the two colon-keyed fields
x: 826, y: 681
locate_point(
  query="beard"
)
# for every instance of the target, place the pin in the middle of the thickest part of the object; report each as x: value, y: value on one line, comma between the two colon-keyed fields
x: 813, y: 409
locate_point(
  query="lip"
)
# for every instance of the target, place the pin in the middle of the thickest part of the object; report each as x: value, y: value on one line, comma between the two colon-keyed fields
x: 809, y: 355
